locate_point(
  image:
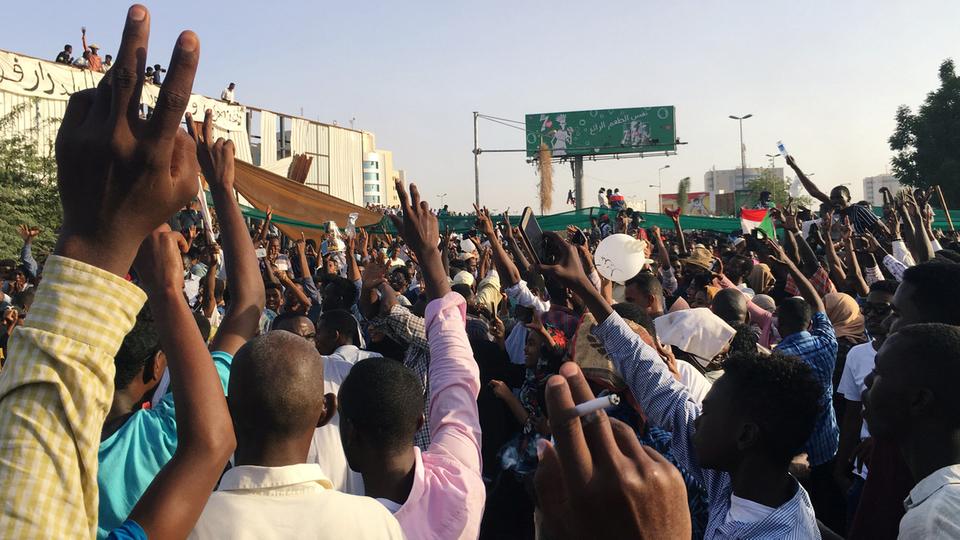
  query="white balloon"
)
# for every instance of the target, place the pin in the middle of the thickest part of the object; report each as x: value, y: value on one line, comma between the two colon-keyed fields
x: 619, y: 257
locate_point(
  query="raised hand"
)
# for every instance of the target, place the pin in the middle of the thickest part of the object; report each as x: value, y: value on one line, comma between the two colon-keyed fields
x: 871, y: 245
x: 776, y: 254
x: 28, y: 233
x: 421, y: 231
x: 120, y: 176
x: 568, y: 269
x: 216, y: 158
x: 484, y: 223
x: 158, y: 263
x: 598, y: 481
x: 846, y: 230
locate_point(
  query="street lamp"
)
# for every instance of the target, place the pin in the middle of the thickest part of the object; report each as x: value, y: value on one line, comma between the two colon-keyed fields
x: 772, y: 157
x: 442, y: 197
x: 660, y: 187
x: 743, y: 150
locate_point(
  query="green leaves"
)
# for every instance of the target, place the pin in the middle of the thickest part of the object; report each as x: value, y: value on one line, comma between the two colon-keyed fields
x: 927, y: 143
x: 28, y: 187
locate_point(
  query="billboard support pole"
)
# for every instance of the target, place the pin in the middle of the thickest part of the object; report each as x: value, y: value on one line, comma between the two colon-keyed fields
x: 577, y: 167
x: 476, y: 161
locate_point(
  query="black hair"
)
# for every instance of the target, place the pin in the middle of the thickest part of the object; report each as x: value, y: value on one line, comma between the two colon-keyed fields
x: 746, y: 338
x: 341, y: 321
x: 949, y: 254
x: 67, y: 46
x: 286, y: 316
x: 276, y: 388
x: 888, y: 286
x: 738, y: 267
x: 647, y: 283
x: 936, y: 290
x: 794, y: 314
x: 781, y: 394
x: 730, y: 305
x: 271, y: 285
x: 463, y: 290
x: 635, y: 313
x: 842, y: 190
x: 341, y: 289
x: 383, y: 399
x: 138, y: 346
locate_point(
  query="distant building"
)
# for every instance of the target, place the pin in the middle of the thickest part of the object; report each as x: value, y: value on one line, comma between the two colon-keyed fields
x: 872, y: 185
x: 378, y: 173
x: 729, y: 180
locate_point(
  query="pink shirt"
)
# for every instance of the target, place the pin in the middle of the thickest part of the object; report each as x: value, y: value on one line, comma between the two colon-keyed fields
x: 759, y: 317
x: 447, y: 497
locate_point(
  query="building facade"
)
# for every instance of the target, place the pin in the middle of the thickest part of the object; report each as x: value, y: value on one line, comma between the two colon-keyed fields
x: 872, y: 185
x: 265, y: 138
x: 729, y: 180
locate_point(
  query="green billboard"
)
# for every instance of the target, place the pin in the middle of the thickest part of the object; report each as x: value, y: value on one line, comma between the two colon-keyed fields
x: 609, y: 131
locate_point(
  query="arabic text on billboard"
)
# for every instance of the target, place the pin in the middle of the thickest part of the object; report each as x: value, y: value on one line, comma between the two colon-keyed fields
x: 609, y: 131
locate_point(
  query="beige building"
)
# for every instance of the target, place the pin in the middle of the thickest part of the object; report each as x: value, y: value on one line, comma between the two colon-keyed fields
x: 872, y: 185
x: 728, y: 180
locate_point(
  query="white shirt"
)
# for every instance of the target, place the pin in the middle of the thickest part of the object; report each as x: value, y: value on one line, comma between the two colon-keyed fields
x: 746, y: 511
x: 861, y: 360
x: 933, y: 506
x: 696, y: 383
x: 516, y: 342
x: 326, y: 450
x: 295, y: 501
x: 227, y: 95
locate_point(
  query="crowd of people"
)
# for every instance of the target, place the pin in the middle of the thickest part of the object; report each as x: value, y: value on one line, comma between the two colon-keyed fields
x: 163, y: 380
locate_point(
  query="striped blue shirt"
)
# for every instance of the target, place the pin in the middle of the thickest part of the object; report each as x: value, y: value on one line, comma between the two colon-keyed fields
x: 818, y: 348
x: 667, y: 405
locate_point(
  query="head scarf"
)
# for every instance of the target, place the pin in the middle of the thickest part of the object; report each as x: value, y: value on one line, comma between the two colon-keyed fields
x: 761, y: 279
x: 844, y: 313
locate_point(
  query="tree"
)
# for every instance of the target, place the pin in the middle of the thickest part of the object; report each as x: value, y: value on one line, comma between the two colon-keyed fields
x: 28, y: 187
x: 927, y: 144
x: 779, y: 188
x: 682, y: 190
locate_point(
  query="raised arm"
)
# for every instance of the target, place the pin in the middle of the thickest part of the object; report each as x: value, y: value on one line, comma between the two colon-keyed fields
x: 807, y: 291
x: 664, y: 399
x: 119, y: 177
x: 264, y: 227
x: 204, y: 428
x: 681, y: 240
x: 856, y: 281
x: 353, y: 270
x: 808, y: 185
x: 454, y: 418
x: 209, y: 302
x: 509, y: 274
x: 837, y: 273
x: 26, y: 252
x: 247, y: 297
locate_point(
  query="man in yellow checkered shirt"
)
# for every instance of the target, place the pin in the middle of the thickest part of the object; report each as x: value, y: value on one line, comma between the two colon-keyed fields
x: 119, y: 177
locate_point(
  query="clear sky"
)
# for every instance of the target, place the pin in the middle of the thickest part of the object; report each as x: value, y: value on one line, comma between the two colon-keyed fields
x: 825, y: 77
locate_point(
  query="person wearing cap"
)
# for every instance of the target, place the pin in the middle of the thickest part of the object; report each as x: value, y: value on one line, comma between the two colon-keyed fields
x: 94, y: 62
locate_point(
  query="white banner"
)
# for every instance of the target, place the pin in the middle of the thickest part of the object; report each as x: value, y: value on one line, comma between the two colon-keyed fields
x: 32, y: 77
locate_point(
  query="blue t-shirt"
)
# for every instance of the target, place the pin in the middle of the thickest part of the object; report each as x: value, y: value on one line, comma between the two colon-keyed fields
x: 133, y: 455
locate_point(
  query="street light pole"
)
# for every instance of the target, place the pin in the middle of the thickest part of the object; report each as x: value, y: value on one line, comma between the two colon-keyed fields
x: 476, y: 161
x: 743, y: 150
x: 773, y: 158
x: 660, y: 188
